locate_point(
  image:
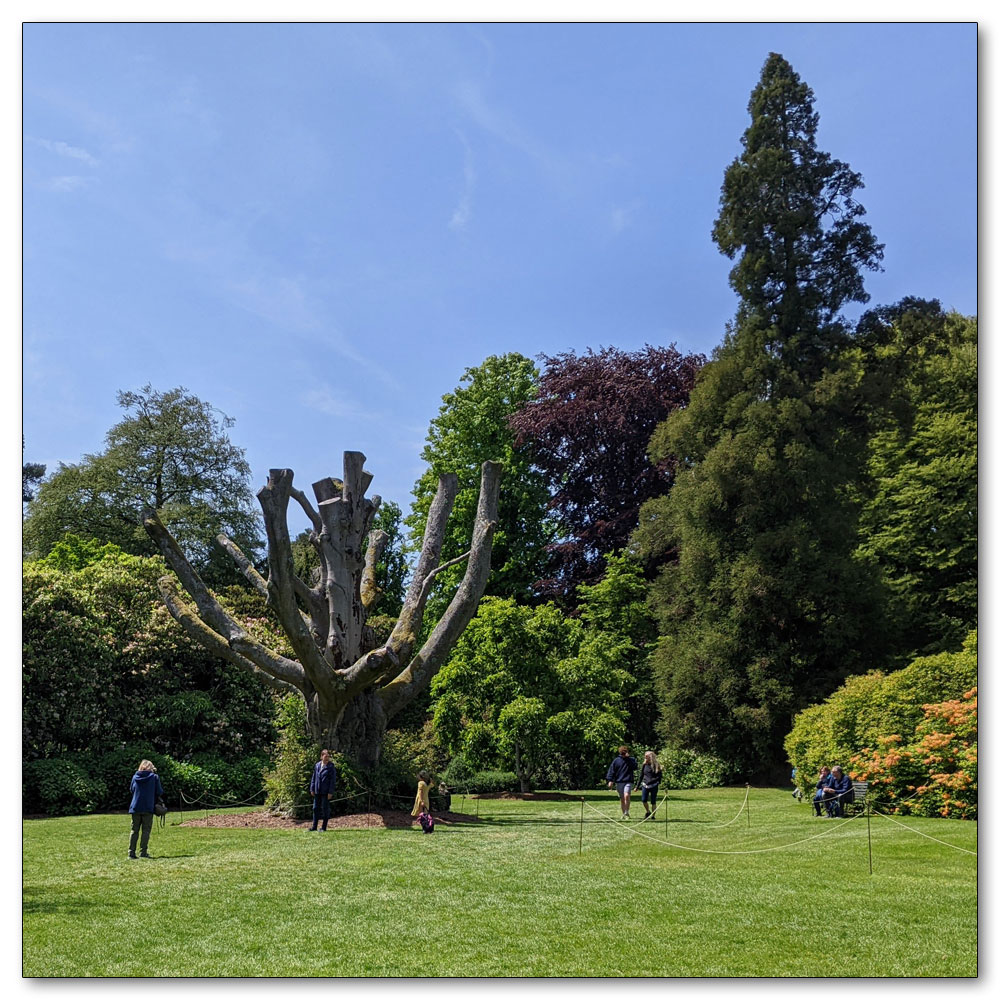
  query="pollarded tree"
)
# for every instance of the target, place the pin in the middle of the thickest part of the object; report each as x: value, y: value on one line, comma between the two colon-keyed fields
x: 351, y: 683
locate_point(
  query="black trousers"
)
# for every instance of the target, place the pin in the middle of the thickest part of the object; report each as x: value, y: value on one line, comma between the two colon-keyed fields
x: 321, y: 810
x: 140, y: 822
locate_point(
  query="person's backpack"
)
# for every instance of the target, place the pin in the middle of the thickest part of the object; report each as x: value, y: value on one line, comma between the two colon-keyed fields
x: 426, y: 822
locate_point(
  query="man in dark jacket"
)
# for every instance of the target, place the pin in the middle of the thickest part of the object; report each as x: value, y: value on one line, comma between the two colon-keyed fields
x: 321, y: 787
x: 146, y: 789
x: 821, y: 786
x: 620, y: 775
x: 838, y: 793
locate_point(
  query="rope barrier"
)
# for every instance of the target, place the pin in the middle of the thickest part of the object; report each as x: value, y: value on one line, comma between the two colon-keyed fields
x: 927, y: 835
x: 702, y: 850
x: 719, y: 826
x: 219, y: 804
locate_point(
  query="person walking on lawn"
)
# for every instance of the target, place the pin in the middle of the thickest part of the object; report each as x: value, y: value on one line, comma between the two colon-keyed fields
x: 146, y: 788
x: 321, y: 788
x: 620, y: 775
x: 649, y: 779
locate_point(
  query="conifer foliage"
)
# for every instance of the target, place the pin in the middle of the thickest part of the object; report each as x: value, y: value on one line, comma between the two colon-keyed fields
x: 767, y: 608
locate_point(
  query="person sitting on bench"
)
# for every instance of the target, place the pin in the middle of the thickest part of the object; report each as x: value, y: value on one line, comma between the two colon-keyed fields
x: 821, y: 786
x: 837, y: 793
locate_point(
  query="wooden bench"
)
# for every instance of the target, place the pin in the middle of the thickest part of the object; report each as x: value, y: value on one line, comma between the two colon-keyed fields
x: 856, y: 798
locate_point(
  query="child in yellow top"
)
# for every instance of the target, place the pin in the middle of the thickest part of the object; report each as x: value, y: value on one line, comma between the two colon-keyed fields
x: 422, y: 803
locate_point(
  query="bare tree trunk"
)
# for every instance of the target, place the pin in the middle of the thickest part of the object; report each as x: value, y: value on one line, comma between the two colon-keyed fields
x: 351, y: 689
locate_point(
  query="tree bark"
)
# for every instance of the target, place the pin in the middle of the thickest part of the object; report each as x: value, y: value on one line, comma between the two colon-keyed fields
x: 351, y: 691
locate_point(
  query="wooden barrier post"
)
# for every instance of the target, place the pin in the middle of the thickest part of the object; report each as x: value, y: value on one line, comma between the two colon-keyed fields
x: 581, y: 823
x: 868, y: 813
x: 748, y: 805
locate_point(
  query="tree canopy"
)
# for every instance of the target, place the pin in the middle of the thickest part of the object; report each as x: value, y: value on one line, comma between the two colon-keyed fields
x: 171, y: 452
x: 920, y: 525
x: 588, y: 430
x: 768, y: 607
x: 472, y: 427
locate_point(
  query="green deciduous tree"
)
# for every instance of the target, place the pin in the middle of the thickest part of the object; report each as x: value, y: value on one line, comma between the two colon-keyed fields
x: 470, y: 428
x: 536, y: 691
x: 920, y: 525
x: 171, y: 452
x: 768, y: 606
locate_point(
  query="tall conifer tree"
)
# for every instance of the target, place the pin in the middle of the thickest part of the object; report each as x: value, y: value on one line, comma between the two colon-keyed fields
x: 767, y: 608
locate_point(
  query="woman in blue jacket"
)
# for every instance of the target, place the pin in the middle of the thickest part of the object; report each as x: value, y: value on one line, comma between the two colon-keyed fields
x: 321, y: 787
x: 146, y: 789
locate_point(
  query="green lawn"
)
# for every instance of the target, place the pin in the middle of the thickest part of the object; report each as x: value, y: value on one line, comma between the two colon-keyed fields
x: 508, y: 896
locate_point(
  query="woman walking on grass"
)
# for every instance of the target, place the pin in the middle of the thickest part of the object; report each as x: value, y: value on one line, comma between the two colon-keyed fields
x: 650, y: 779
x: 146, y: 788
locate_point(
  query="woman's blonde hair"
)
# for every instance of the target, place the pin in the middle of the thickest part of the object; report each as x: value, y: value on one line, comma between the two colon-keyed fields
x: 652, y: 760
x: 147, y: 765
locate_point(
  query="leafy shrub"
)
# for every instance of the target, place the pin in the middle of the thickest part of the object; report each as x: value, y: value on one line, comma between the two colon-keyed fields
x: 936, y: 773
x: 482, y: 782
x: 287, y: 782
x: 884, y: 726
x: 60, y: 787
x: 684, y: 768
x: 104, y: 663
x: 457, y: 772
x: 73, y: 783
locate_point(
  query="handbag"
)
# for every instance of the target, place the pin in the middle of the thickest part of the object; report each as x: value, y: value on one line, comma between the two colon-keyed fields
x: 159, y: 807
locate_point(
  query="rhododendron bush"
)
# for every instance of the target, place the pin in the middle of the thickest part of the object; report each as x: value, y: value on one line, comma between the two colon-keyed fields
x: 912, y: 734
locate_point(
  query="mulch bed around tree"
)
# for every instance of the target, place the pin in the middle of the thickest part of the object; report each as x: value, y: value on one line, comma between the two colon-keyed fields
x: 394, y: 818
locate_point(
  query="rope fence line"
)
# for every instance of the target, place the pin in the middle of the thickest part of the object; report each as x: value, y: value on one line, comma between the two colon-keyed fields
x: 633, y: 830
x: 719, y: 826
x: 701, y: 850
x: 202, y: 800
x: 927, y: 835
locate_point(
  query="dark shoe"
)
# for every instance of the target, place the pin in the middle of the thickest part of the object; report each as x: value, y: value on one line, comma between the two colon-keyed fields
x: 143, y: 854
x: 323, y: 830
x: 312, y: 829
x: 131, y: 855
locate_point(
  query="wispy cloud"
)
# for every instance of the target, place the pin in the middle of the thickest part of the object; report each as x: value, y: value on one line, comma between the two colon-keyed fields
x: 622, y: 216
x: 463, y: 210
x: 71, y: 182
x: 105, y: 128
x: 500, y: 124
x: 324, y: 400
x: 64, y: 149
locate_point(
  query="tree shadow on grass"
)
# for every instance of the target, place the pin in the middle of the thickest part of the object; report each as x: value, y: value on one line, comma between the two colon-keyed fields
x: 41, y: 901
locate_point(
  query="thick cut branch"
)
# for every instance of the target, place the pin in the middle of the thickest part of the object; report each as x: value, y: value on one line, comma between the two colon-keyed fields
x: 280, y: 584
x: 417, y: 675
x: 304, y: 503
x: 370, y: 593
x: 407, y: 628
x: 211, y: 612
x: 246, y: 567
x: 270, y: 668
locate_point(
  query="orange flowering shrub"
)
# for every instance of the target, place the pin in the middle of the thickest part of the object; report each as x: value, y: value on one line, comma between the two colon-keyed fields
x: 912, y: 733
x: 936, y: 772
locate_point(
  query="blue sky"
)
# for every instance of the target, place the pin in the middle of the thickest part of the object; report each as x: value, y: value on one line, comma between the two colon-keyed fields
x: 317, y: 228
